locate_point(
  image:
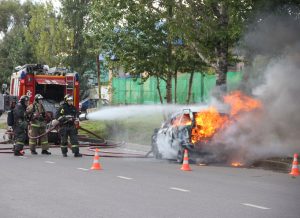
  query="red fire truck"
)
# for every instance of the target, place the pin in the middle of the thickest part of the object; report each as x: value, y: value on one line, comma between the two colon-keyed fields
x: 53, y: 84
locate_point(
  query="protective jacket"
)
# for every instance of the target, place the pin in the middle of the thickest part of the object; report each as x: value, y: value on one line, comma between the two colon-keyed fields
x: 67, y: 114
x: 20, y: 116
x: 37, y: 115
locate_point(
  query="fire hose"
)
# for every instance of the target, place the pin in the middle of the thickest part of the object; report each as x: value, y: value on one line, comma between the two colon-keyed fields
x: 91, y: 146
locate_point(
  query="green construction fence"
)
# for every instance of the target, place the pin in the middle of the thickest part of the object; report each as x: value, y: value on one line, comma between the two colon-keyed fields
x: 130, y: 91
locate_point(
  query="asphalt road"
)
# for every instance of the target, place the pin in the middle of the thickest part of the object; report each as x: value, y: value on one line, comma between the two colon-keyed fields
x: 53, y: 186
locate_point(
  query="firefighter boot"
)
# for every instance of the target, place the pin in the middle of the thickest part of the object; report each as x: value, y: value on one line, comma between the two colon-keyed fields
x: 18, y: 149
x: 46, y: 152
x: 77, y: 155
x: 34, y: 152
x: 64, y: 151
x: 75, y: 150
x: 18, y: 153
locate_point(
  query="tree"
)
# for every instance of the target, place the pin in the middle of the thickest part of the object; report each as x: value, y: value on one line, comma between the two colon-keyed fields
x: 11, y: 14
x: 14, y: 50
x: 140, y: 34
x: 212, y: 28
x: 75, y: 16
x: 48, y: 36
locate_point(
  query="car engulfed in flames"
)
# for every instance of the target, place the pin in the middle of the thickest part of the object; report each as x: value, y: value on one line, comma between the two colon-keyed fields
x: 195, y: 130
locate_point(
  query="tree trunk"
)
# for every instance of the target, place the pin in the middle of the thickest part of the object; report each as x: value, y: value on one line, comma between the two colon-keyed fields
x: 158, y: 90
x: 222, y: 48
x: 99, y: 82
x: 190, y: 87
x: 221, y: 71
x: 202, y: 87
x: 248, y: 71
x: 169, y: 58
x: 169, y: 88
x: 175, y: 88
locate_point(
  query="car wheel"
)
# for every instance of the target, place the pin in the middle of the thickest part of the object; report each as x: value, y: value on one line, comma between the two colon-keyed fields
x: 155, y: 150
x: 156, y: 153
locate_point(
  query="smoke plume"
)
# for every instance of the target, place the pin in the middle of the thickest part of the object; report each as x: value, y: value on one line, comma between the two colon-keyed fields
x: 275, y: 130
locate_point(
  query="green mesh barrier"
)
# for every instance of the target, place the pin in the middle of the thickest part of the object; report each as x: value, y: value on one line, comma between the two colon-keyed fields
x: 128, y: 91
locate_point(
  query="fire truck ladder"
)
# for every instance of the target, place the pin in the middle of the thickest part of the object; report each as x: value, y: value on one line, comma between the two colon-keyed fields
x: 70, y: 84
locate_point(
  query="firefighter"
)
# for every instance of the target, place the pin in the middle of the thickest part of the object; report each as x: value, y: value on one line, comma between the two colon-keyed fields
x: 37, y: 118
x: 20, y: 125
x: 67, y: 116
x: 10, y: 121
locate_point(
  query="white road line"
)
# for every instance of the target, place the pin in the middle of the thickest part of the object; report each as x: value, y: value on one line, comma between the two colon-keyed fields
x: 123, y: 177
x: 179, y: 189
x: 84, y: 169
x: 22, y: 157
x: 49, y: 162
x: 256, y: 206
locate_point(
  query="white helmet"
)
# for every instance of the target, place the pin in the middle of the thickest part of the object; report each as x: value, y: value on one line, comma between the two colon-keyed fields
x: 38, y: 97
x: 68, y: 98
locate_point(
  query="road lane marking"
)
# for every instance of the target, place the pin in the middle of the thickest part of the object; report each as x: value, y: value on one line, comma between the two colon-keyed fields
x: 84, y: 169
x: 22, y: 157
x: 123, y: 177
x: 49, y: 162
x: 256, y: 206
x: 179, y: 189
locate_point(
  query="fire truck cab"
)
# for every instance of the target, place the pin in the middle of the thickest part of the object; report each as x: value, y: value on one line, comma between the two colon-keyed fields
x: 53, y: 84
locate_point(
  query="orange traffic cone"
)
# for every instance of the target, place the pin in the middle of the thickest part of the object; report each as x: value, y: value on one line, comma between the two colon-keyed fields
x: 295, y: 170
x: 185, y: 164
x: 96, y: 165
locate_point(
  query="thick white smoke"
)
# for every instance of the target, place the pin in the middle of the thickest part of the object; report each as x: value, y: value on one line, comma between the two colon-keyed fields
x: 275, y: 131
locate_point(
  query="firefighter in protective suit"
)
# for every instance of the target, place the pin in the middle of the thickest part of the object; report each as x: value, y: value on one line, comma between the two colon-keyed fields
x: 20, y: 125
x: 37, y: 117
x: 67, y: 115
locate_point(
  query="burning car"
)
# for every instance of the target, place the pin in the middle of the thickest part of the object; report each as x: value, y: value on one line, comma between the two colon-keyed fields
x: 195, y: 130
x: 185, y: 130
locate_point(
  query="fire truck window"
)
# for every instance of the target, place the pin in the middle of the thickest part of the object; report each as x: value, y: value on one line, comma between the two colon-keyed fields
x: 51, y: 92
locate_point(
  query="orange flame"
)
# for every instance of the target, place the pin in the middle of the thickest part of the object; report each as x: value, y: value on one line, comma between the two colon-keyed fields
x: 240, y: 102
x: 183, y: 120
x: 208, y: 122
x: 236, y: 164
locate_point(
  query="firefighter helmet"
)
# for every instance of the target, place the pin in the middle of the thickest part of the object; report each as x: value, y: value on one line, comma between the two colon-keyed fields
x: 24, y: 98
x: 38, y: 97
x: 68, y: 98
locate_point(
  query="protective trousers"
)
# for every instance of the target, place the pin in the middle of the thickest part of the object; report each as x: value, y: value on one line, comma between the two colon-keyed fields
x: 42, y: 141
x: 20, y: 138
x: 69, y: 131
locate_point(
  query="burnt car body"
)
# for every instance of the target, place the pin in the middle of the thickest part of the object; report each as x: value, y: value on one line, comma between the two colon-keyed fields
x: 175, y: 135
